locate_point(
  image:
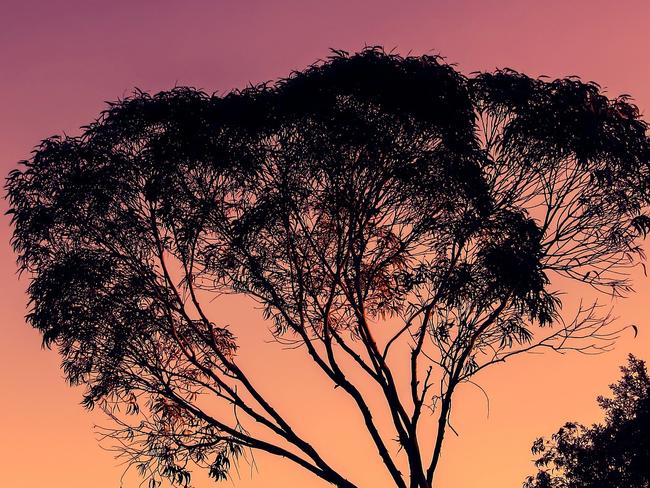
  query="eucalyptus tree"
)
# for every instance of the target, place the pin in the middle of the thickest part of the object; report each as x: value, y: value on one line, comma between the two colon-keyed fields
x: 398, y: 221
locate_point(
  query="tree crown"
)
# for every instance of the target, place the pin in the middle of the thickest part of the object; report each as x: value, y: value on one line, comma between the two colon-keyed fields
x: 364, y: 187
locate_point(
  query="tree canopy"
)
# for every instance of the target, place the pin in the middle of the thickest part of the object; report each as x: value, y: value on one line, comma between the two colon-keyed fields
x: 613, y: 454
x: 368, y: 200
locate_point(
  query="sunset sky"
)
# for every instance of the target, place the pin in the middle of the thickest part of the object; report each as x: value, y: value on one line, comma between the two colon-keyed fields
x: 61, y: 59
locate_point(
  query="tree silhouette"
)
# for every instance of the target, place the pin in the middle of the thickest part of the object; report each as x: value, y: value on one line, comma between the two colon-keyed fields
x: 615, y: 454
x: 368, y: 201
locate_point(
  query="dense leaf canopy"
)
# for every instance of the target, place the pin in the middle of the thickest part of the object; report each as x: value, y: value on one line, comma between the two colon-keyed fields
x: 365, y: 186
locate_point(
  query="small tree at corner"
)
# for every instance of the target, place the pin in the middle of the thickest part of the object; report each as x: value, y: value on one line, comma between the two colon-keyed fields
x: 614, y: 454
x: 367, y: 202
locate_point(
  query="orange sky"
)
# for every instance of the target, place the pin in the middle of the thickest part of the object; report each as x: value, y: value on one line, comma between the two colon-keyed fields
x: 60, y: 59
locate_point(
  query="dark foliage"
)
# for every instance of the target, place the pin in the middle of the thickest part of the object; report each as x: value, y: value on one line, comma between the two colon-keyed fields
x: 614, y: 454
x: 366, y: 186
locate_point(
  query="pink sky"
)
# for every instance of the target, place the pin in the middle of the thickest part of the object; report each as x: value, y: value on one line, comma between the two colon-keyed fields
x: 59, y: 61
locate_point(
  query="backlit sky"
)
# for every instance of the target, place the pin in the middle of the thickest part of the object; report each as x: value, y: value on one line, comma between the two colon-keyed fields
x: 60, y: 59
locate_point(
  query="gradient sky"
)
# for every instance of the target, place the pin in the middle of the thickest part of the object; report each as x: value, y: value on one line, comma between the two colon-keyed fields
x: 61, y: 59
